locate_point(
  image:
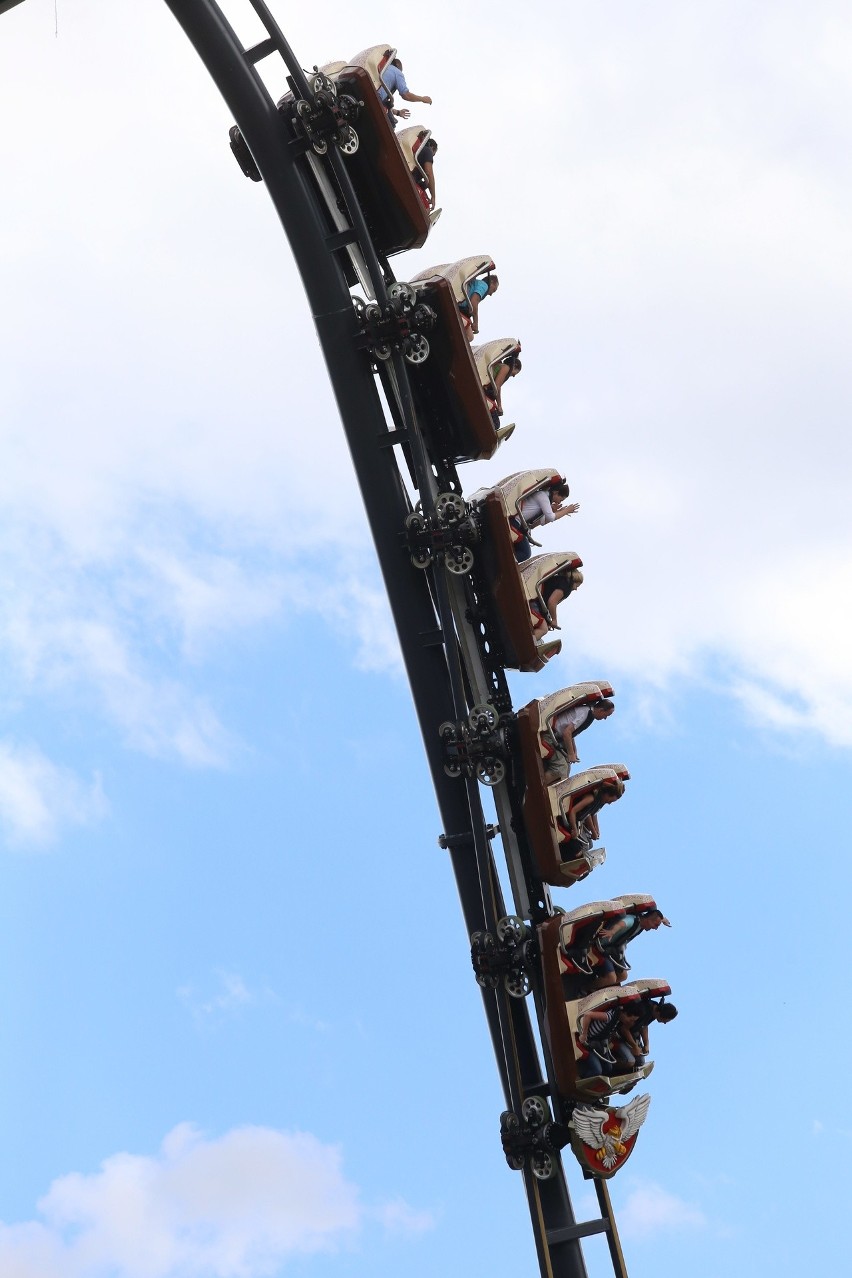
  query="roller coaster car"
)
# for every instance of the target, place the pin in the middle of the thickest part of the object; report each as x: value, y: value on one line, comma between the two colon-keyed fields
x: 562, y: 1019
x: 383, y: 168
x: 459, y: 275
x: 448, y: 387
x: 383, y: 165
x: 546, y: 809
x: 535, y: 720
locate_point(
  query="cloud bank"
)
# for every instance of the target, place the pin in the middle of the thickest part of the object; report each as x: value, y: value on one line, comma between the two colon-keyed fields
x: 240, y: 1206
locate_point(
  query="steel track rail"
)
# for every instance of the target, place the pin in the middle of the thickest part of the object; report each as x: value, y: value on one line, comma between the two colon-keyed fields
x: 427, y: 636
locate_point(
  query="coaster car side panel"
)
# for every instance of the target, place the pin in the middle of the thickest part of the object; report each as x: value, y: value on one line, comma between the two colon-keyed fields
x: 507, y: 597
x: 448, y: 397
x: 557, y: 1029
x: 381, y: 175
x: 540, y: 813
x: 538, y: 819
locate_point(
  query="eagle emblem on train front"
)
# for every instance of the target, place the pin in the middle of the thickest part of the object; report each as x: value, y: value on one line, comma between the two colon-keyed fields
x: 603, y: 1139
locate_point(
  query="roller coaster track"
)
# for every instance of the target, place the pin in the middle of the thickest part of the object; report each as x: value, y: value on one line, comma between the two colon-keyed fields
x: 446, y: 662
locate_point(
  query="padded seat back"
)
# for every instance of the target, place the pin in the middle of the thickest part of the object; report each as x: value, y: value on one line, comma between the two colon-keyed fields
x: 373, y: 61
x: 522, y: 484
x: 410, y: 141
x: 563, y: 793
x: 491, y: 353
x: 540, y: 567
x: 458, y: 274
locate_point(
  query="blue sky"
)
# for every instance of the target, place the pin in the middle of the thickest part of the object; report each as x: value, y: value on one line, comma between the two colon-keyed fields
x: 240, y: 1033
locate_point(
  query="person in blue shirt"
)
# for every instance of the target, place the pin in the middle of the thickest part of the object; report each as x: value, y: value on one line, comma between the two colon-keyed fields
x: 394, y: 82
x: 477, y: 291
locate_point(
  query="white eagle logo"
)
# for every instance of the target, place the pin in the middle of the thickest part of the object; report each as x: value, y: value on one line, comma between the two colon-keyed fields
x: 608, y: 1131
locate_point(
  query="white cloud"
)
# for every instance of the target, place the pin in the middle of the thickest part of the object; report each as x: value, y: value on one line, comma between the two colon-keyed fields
x: 360, y: 611
x: 38, y: 797
x: 72, y: 626
x: 649, y: 1210
x: 232, y: 995
x: 398, y: 1217
x: 240, y: 1206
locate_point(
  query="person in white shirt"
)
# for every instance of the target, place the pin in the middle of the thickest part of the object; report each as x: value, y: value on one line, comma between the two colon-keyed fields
x: 542, y: 507
x: 566, y: 726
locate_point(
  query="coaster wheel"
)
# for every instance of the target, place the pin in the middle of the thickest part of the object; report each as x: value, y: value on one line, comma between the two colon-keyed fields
x: 512, y: 930
x: 483, y: 718
x: 347, y: 140
x: 517, y: 983
x: 417, y: 351
x: 460, y: 562
x: 535, y: 1111
x: 542, y: 1165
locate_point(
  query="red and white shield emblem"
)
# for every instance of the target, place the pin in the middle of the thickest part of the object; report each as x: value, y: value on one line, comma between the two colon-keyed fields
x: 603, y: 1139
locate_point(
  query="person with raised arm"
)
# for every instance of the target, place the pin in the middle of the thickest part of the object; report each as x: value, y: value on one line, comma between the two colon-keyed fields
x: 394, y: 82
